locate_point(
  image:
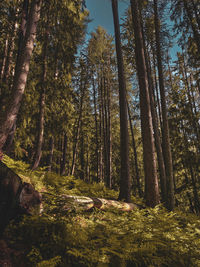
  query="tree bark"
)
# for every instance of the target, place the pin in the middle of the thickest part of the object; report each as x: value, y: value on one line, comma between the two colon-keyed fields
x: 9, y: 117
x: 151, y: 181
x: 87, y: 203
x: 77, y: 130
x: 125, y: 182
x: 63, y: 162
x: 40, y: 135
x: 11, y: 45
x: 5, y: 53
x: 50, y: 156
x: 96, y: 128
x: 165, y: 134
x: 135, y: 154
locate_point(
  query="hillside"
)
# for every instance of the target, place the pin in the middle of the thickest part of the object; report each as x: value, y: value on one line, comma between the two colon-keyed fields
x: 74, y: 237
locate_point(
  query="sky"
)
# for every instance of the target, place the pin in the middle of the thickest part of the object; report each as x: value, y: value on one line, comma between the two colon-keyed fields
x: 101, y: 14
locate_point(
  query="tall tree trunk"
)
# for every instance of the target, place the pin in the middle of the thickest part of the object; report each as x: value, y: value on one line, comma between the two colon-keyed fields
x: 50, y: 156
x: 77, y: 130
x: 109, y: 137
x: 3, y: 64
x: 151, y: 181
x: 9, y: 117
x: 96, y: 128
x: 160, y: 157
x: 22, y: 32
x: 11, y: 46
x: 158, y: 145
x: 135, y: 154
x: 165, y: 134
x: 40, y: 135
x: 125, y: 182
x: 63, y: 162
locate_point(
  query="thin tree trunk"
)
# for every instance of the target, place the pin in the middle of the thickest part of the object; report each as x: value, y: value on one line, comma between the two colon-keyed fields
x: 77, y: 130
x: 3, y: 64
x: 50, y: 156
x: 9, y: 117
x: 125, y: 182
x: 63, y: 162
x: 165, y: 134
x: 160, y: 158
x: 135, y: 154
x: 96, y: 128
x: 9, y: 57
x: 40, y: 135
x: 158, y: 145
x: 109, y: 137
x: 151, y: 181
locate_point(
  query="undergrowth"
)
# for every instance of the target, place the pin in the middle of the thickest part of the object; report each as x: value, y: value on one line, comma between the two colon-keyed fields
x: 148, y: 237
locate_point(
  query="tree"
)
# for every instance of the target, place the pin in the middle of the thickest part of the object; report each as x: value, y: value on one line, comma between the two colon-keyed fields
x: 124, y: 136
x: 9, y: 117
x: 151, y: 182
x: 165, y: 127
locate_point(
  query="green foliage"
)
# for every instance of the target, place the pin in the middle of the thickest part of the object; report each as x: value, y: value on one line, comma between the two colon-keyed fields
x: 148, y: 237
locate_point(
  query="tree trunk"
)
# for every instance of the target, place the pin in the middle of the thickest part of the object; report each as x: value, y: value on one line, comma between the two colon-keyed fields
x: 160, y: 158
x: 5, y: 53
x: 109, y: 138
x: 40, y: 129
x: 87, y: 203
x: 125, y: 182
x: 63, y: 162
x: 135, y: 154
x: 151, y: 181
x: 165, y: 134
x: 22, y: 32
x: 11, y: 46
x: 77, y: 130
x: 50, y: 156
x: 96, y: 128
x: 9, y: 117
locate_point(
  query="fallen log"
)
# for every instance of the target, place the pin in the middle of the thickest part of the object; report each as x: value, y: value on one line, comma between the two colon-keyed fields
x: 16, y: 197
x: 87, y: 203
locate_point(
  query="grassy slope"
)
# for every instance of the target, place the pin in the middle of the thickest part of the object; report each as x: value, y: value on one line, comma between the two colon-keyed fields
x: 150, y: 237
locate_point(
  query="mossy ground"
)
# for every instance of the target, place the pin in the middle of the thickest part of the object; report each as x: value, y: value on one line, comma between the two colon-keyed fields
x: 148, y: 237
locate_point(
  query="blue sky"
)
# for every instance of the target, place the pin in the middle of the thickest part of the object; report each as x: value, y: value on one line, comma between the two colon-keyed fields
x: 101, y: 14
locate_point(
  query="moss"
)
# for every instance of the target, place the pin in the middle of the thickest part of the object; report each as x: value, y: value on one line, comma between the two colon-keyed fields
x: 149, y: 237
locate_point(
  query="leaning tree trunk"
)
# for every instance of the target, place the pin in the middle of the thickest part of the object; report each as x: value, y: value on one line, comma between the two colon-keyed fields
x: 125, y: 183
x: 166, y: 138
x: 151, y: 181
x: 9, y: 117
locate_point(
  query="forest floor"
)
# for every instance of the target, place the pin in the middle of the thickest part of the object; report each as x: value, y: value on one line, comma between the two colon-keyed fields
x: 75, y: 237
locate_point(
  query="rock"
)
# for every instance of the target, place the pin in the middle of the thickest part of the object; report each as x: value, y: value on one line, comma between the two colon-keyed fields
x: 16, y: 197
